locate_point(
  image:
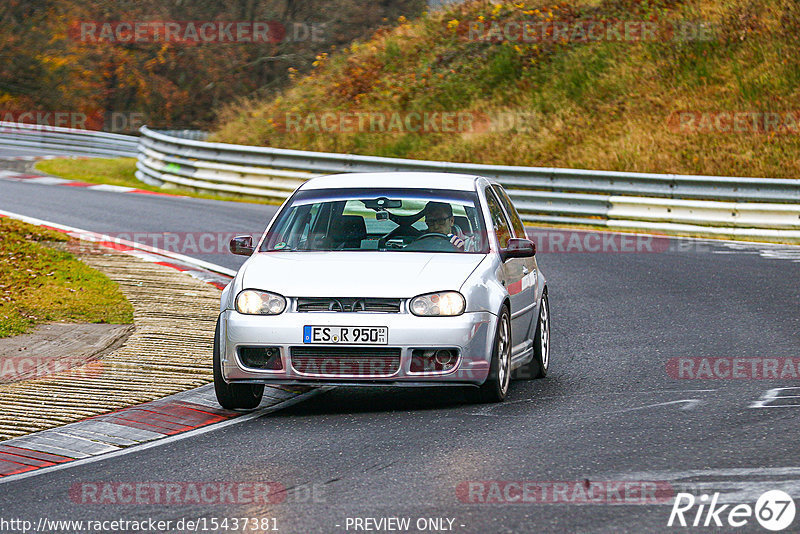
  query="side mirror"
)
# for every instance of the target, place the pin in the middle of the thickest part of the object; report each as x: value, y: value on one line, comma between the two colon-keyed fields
x: 242, y: 245
x: 518, y: 248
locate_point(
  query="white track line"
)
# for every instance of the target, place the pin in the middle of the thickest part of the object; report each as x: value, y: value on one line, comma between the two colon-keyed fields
x: 93, y: 236
x: 171, y: 439
x: 86, y: 235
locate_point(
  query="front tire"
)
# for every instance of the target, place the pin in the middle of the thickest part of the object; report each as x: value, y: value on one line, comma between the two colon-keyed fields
x: 495, y: 389
x: 233, y: 396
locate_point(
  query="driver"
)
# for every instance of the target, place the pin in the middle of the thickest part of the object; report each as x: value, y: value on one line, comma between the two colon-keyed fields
x: 439, y: 218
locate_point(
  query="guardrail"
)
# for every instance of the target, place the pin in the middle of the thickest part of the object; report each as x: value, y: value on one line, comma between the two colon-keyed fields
x: 57, y: 140
x: 668, y: 203
x: 176, y: 161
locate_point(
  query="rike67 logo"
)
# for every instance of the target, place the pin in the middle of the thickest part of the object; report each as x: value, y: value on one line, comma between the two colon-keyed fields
x: 774, y: 510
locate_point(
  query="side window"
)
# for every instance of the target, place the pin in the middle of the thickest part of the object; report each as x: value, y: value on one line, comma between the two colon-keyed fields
x: 516, y: 222
x: 499, y: 221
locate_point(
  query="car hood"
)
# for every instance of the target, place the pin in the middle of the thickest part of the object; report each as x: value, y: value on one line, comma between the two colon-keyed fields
x: 357, y: 274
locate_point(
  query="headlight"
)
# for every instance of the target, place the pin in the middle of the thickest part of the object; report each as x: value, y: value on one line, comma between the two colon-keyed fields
x: 254, y: 302
x: 446, y: 303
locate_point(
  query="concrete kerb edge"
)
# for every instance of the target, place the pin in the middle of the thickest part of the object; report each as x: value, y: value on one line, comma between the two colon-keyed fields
x: 46, y: 442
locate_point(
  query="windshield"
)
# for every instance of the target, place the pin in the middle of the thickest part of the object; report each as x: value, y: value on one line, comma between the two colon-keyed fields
x: 391, y: 220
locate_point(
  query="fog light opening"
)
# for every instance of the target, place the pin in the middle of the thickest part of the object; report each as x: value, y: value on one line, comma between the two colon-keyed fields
x: 433, y: 360
x: 445, y: 358
x: 261, y: 358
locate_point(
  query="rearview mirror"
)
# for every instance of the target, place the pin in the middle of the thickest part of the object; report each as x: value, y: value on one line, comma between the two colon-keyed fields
x: 518, y: 248
x: 382, y: 203
x: 242, y: 245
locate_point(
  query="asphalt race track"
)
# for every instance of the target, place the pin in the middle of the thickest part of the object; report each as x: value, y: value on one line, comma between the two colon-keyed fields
x: 609, y: 412
x: 6, y: 152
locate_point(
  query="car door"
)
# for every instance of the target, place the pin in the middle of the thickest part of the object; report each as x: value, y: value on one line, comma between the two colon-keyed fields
x: 531, y: 276
x: 516, y: 274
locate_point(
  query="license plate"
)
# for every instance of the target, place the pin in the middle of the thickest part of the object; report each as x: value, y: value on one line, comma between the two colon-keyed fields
x: 347, y: 335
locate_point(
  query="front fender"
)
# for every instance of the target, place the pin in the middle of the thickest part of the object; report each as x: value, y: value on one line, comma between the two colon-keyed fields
x: 482, y: 290
x: 232, y: 289
x: 225, y: 302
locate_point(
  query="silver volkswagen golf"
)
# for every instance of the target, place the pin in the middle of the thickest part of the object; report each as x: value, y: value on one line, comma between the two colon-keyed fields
x: 401, y: 279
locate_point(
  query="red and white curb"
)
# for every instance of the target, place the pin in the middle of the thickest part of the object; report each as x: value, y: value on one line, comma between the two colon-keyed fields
x: 36, y: 158
x: 146, y: 425
x: 52, y: 180
x: 132, y: 429
x: 210, y: 273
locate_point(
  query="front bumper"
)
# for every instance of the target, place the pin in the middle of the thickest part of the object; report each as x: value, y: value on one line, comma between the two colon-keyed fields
x: 471, y: 334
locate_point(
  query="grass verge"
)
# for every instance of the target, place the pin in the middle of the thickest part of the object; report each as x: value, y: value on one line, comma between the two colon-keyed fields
x: 121, y: 171
x: 41, y: 284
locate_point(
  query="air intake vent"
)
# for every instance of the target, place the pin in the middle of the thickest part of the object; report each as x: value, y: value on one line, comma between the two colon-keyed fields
x: 364, y: 362
x: 348, y: 304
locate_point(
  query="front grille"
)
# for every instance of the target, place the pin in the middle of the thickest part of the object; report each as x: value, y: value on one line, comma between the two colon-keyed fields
x: 348, y: 304
x: 346, y: 361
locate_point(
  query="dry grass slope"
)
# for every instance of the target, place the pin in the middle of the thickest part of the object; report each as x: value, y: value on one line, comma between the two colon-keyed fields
x: 601, y: 104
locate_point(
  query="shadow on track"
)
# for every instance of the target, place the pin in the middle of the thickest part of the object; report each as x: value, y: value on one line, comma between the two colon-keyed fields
x: 378, y: 399
x: 356, y: 400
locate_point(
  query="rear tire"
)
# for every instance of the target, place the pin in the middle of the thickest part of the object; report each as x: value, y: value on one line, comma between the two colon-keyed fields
x: 233, y: 396
x: 495, y: 389
x: 540, y: 363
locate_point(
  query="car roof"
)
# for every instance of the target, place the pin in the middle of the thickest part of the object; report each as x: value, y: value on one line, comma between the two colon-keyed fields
x: 411, y: 180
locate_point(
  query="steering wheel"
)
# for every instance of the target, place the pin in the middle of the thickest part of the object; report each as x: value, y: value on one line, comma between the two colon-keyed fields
x: 409, y: 231
x: 432, y: 234
x: 429, y: 242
